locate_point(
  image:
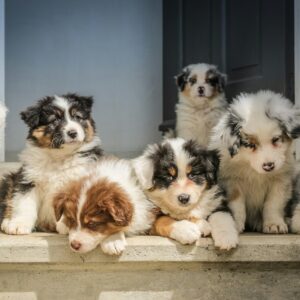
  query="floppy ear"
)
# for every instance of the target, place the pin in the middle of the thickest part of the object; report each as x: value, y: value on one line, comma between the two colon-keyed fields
x: 143, y: 167
x: 181, y: 79
x: 58, y: 204
x: 31, y: 116
x: 217, y: 79
x: 227, y: 132
x: 85, y: 102
x: 212, y: 162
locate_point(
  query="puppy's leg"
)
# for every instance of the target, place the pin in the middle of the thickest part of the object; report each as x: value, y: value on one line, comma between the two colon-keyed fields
x: 114, y: 244
x: 204, y: 227
x: 273, y: 211
x: 295, y: 220
x: 183, y: 231
x: 237, y: 206
x: 21, y: 215
x: 223, y: 230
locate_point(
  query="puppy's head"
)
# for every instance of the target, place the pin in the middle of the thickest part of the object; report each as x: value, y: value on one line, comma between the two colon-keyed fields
x: 92, y: 211
x: 259, y: 128
x: 200, y: 82
x: 176, y: 173
x: 58, y: 122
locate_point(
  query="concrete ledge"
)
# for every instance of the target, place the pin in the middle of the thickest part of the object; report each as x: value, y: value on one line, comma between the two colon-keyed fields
x: 53, y: 248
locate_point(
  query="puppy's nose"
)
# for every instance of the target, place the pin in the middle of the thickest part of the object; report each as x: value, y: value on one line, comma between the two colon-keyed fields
x: 184, y: 198
x: 201, y: 90
x: 269, y: 166
x: 72, y: 133
x: 75, y: 245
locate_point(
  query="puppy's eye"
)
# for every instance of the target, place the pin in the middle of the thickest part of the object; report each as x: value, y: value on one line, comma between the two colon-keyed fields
x: 252, y: 146
x: 52, y: 118
x: 78, y: 117
x: 276, y: 140
x: 93, y: 225
x: 192, y: 80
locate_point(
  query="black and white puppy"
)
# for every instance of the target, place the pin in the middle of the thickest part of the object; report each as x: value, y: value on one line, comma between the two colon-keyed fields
x: 61, y: 144
x: 180, y: 177
x: 255, y: 141
x: 201, y: 101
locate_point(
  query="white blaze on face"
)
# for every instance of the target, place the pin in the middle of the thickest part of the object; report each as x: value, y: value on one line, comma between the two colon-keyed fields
x: 72, y: 131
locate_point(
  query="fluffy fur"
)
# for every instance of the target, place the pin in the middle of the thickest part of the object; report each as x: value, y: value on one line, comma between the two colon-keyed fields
x: 102, y: 207
x: 60, y: 145
x: 201, y: 101
x: 180, y: 177
x: 254, y: 139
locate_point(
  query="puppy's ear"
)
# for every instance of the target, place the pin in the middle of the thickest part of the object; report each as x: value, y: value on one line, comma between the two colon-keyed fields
x: 217, y: 79
x: 85, y: 102
x: 58, y: 204
x: 227, y: 132
x: 212, y: 162
x: 31, y: 116
x: 143, y: 167
x: 181, y: 79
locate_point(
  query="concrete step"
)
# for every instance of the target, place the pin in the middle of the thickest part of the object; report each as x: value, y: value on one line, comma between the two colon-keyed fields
x: 41, y: 266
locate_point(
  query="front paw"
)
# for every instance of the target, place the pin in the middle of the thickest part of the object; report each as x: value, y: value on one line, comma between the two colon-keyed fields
x: 226, y: 240
x: 113, y: 246
x: 15, y: 226
x: 185, y: 232
x: 204, y: 227
x: 278, y: 226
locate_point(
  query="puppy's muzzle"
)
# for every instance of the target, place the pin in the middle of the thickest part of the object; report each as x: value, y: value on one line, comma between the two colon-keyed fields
x: 201, y: 90
x: 75, y: 245
x: 183, y: 198
x: 268, y: 167
x: 72, y: 134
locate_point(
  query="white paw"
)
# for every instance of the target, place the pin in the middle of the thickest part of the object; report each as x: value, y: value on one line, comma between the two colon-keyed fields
x: 185, y: 232
x: 226, y: 240
x: 204, y: 227
x: 61, y: 227
x: 240, y: 225
x: 278, y: 226
x: 113, y: 246
x: 15, y: 226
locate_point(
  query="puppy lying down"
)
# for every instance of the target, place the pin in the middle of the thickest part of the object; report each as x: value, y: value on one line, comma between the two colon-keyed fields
x: 180, y: 177
x: 102, y: 207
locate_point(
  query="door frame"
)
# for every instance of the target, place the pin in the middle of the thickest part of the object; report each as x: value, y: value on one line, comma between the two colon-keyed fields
x: 2, y: 73
x: 297, y: 61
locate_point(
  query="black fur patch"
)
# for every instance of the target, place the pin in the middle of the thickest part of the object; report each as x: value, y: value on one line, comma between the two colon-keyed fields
x: 234, y: 124
x: 216, y: 79
x: 11, y: 184
x: 94, y: 153
x: 205, y: 163
x: 182, y: 79
x: 163, y: 160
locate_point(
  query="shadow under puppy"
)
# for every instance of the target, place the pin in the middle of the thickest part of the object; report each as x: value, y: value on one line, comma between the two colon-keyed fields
x: 180, y: 177
x: 102, y: 207
x: 255, y: 142
x: 201, y: 101
x: 61, y: 144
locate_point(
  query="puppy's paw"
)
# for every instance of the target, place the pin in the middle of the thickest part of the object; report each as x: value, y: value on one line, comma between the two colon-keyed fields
x: 240, y: 225
x: 204, y: 227
x: 113, y: 245
x: 278, y: 226
x: 61, y: 227
x: 185, y: 232
x: 226, y: 240
x: 16, y: 226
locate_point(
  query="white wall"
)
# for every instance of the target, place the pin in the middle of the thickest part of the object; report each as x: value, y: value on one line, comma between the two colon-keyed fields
x: 2, y: 60
x: 111, y: 49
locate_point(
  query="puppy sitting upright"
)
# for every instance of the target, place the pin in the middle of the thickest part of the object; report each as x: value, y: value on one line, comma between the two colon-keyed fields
x: 180, y: 177
x: 60, y: 145
x: 254, y: 139
x: 201, y: 101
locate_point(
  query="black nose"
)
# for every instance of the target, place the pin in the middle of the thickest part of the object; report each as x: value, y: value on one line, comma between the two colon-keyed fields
x: 75, y: 245
x: 268, y: 166
x: 201, y: 90
x: 183, y: 198
x: 72, y: 134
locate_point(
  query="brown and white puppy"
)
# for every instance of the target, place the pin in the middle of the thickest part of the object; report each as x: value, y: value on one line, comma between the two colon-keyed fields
x: 61, y: 144
x: 255, y: 142
x: 180, y: 177
x: 102, y: 207
x: 201, y: 101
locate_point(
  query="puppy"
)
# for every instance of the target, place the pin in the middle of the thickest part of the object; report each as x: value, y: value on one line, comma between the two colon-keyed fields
x: 180, y: 177
x: 201, y: 101
x: 102, y: 207
x: 254, y: 139
x: 61, y: 144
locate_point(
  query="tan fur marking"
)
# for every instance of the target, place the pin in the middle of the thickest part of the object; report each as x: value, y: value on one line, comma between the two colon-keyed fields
x: 163, y: 226
x: 43, y: 140
x: 89, y: 132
